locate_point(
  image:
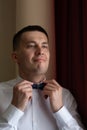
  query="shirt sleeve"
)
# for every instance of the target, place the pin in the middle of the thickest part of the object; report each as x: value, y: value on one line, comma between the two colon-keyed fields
x: 10, y: 118
x: 65, y: 121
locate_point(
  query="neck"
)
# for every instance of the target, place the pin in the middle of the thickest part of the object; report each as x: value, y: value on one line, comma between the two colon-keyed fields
x: 36, y: 78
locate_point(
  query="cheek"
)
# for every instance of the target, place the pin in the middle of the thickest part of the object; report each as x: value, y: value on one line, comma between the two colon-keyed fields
x: 27, y: 57
x: 48, y: 55
x: 26, y: 54
x: 23, y: 57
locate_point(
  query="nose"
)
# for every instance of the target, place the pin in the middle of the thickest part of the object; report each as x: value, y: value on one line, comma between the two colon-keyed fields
x: 39, y: 51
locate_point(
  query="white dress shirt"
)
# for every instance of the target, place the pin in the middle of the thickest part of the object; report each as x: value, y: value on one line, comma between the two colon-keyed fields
x: 38, y: 114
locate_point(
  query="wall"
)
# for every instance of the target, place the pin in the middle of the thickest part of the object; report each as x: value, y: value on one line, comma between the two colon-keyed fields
x: 7, y: 28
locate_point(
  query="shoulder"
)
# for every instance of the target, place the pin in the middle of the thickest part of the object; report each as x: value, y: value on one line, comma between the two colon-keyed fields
x: 68, y: 99
x: 9, y: 83
x: 67, y: 93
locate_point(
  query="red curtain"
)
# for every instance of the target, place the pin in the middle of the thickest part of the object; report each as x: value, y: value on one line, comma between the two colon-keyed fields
x: 71, y: 49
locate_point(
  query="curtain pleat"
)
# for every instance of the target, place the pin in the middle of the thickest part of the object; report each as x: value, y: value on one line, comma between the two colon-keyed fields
x: 71, y: 49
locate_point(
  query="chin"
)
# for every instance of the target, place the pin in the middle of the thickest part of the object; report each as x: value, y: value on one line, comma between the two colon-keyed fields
x: 42, y: 71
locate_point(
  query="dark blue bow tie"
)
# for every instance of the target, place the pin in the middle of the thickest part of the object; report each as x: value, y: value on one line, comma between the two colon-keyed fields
x: 38, y: 86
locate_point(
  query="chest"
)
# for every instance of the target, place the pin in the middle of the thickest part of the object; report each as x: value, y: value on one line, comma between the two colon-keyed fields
x: 38, y: 115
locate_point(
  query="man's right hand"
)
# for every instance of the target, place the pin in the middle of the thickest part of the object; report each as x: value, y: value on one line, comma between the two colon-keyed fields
x: 22, y: 93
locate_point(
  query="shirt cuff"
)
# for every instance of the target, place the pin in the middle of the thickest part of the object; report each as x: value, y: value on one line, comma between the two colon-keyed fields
x: 12, y: 115
x: 63, y: 117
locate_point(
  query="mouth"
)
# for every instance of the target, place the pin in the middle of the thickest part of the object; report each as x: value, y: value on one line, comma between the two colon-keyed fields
x: 40, y: 59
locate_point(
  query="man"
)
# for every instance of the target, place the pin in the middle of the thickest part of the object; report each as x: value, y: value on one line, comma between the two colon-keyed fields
x: 31, y: 102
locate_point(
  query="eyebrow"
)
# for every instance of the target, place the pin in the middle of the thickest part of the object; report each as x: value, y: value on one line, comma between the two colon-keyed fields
x: 27, y: 42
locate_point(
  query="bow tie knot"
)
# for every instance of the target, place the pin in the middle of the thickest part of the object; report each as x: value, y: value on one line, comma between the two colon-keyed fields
x: 38, y: 86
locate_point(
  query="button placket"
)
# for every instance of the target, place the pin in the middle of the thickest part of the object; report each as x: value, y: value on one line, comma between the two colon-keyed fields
x: 34, y: 110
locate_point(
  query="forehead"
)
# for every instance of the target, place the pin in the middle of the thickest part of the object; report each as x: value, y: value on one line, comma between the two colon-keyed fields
x: 32, y: 35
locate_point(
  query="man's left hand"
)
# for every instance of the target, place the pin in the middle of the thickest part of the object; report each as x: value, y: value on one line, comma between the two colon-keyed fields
x: 54, y: 91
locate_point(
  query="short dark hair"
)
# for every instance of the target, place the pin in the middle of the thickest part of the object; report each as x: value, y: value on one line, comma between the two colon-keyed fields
x: 17, y: 36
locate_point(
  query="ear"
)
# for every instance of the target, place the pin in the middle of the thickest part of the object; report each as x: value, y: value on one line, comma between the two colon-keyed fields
x: 15, y: 56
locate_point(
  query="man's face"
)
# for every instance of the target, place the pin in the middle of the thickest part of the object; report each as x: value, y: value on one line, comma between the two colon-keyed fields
x: 33, y: 53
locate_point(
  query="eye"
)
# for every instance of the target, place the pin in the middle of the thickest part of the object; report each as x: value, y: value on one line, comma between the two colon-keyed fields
x: 45, y: 45
x: 30, y: 45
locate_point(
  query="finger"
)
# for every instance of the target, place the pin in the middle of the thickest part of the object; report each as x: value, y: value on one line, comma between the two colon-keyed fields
x: 25, y: 93
x: 53, y: 84
x: 23, y: 85
x: 53, y: 81
x: 24, y: 82
x: 50, y: 87
x: 22, y: 91
x: 26, y: 89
